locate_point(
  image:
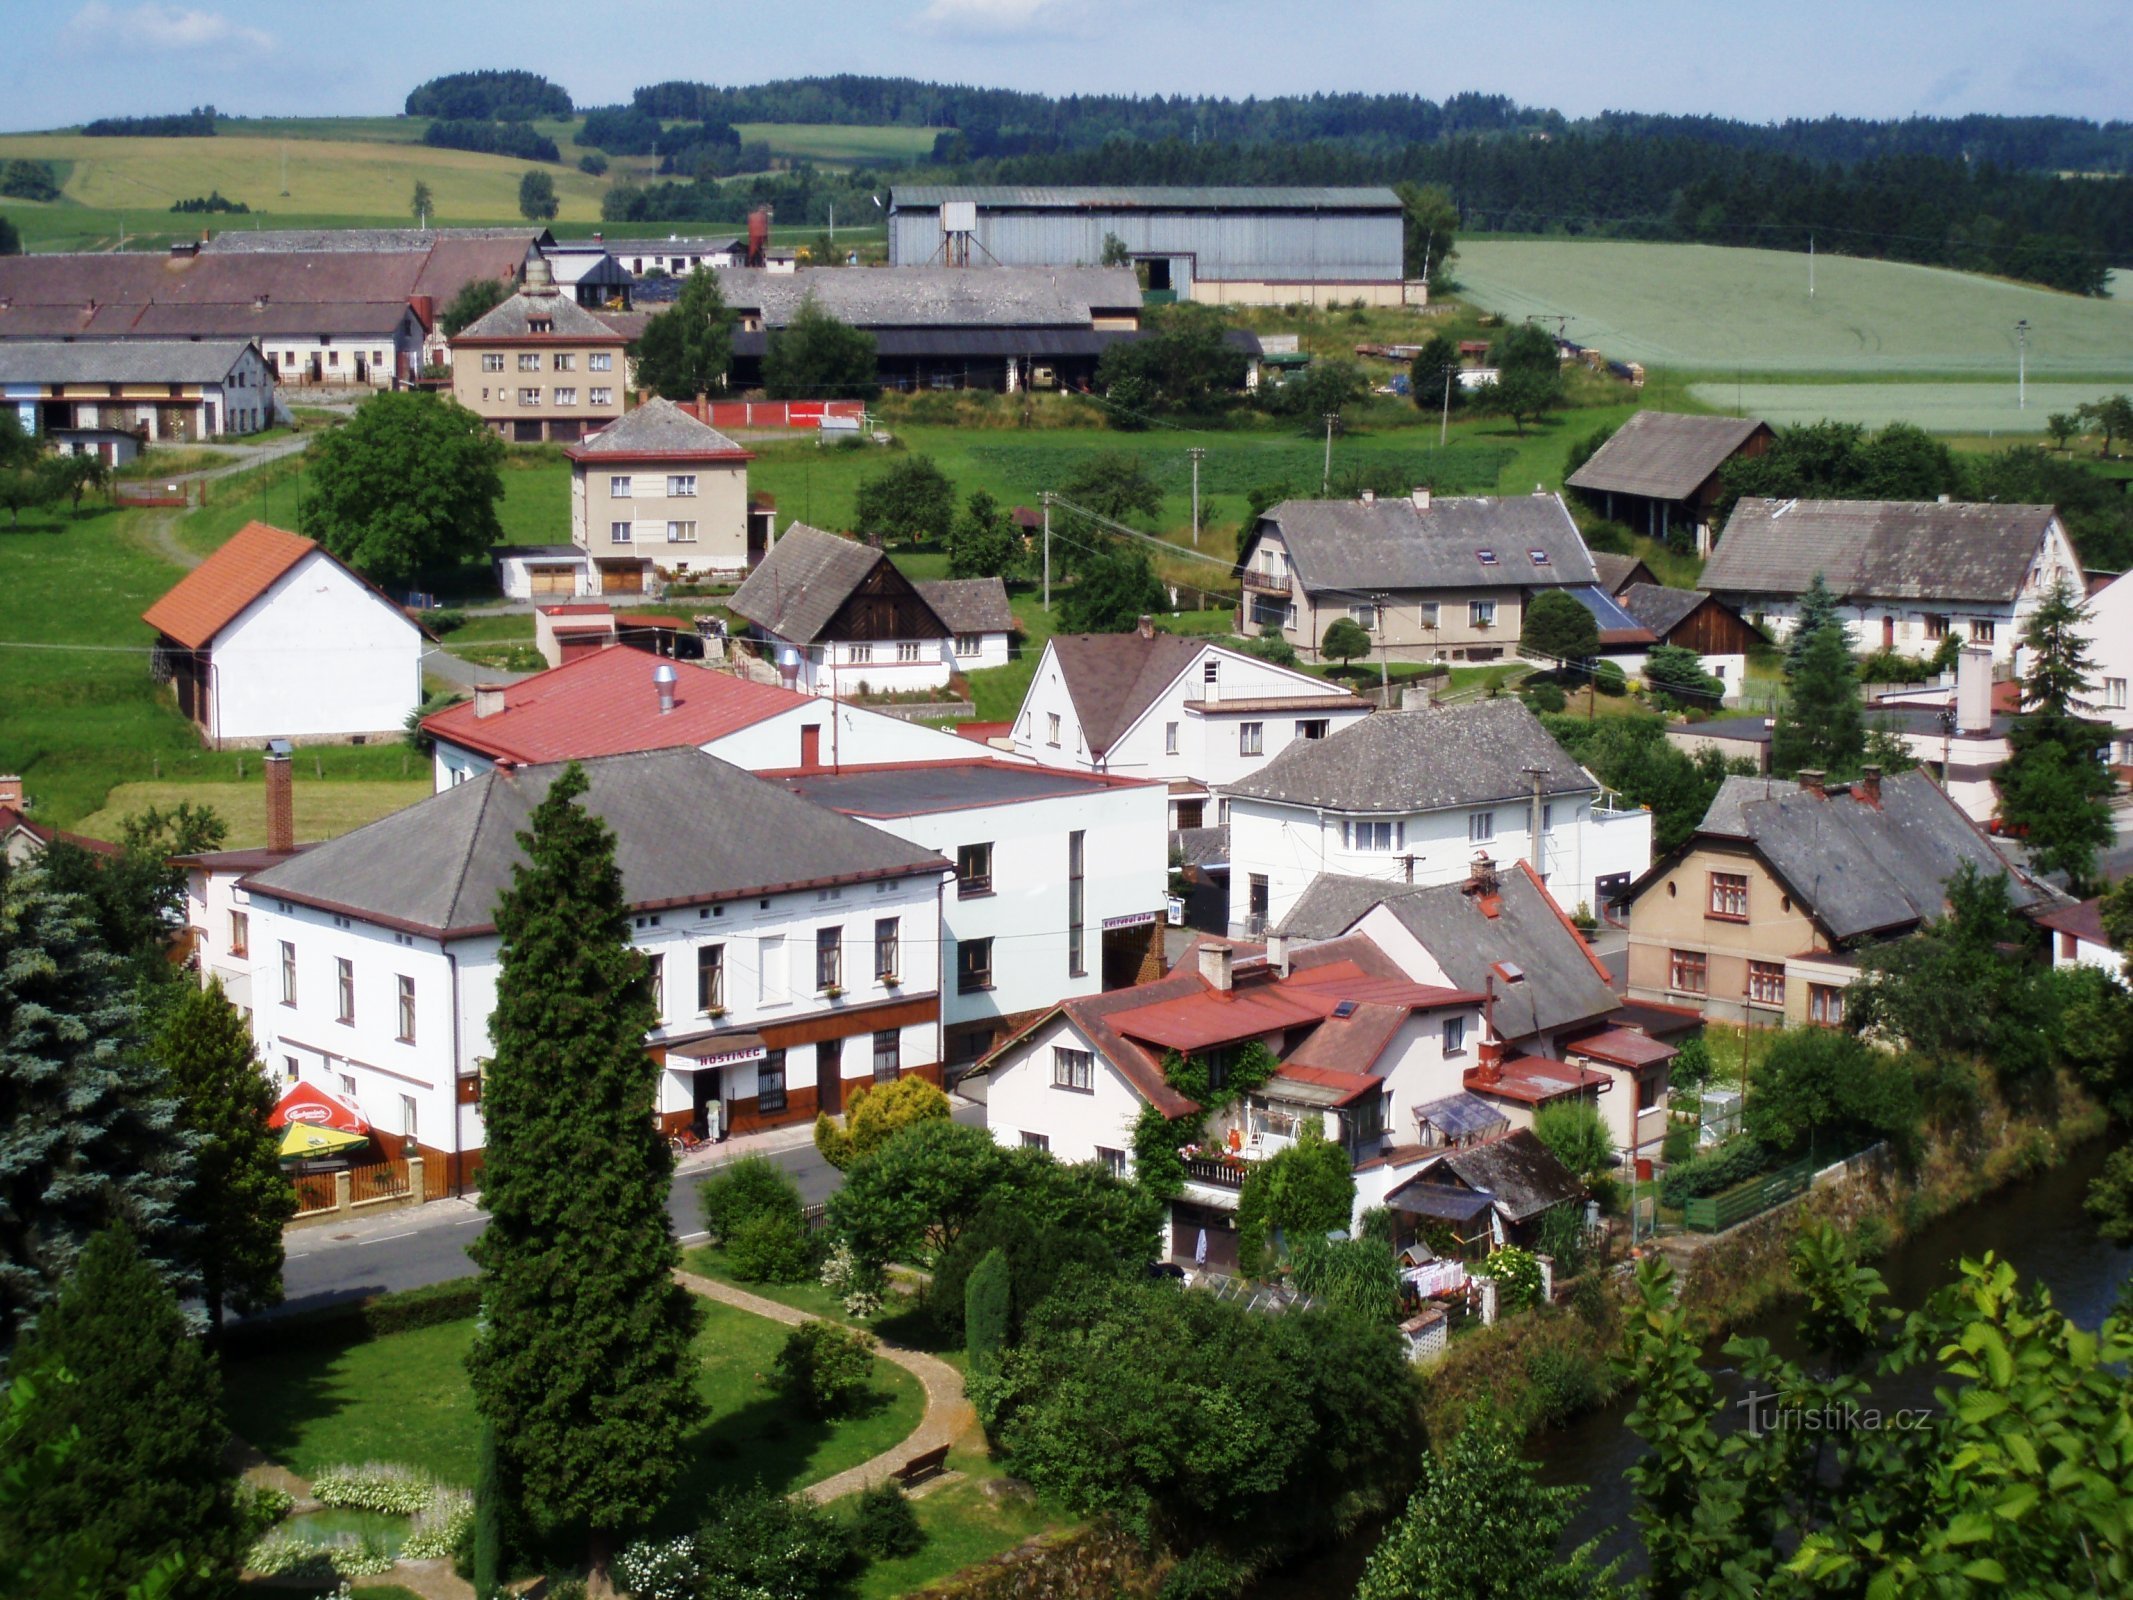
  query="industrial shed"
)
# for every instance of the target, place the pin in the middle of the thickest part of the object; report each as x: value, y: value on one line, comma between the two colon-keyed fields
x: 1223, y: 246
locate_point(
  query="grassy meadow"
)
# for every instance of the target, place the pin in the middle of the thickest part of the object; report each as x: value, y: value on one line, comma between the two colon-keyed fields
x: 1989, y: 408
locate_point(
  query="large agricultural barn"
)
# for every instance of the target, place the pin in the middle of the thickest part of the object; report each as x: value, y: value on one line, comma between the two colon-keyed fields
x: 1225, y: 246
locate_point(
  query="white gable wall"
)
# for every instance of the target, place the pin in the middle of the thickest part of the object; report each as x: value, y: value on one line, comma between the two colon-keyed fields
x: 1021, y: 1098
x: 319, y: 655
x: 2110, y: 639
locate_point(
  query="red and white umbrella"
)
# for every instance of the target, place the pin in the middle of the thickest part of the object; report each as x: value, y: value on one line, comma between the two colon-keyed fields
x: 308, y: 1104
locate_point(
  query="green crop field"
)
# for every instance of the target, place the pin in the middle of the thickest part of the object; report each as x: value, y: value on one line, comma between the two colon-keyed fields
x: 1717, y: 311
x: 839, y: 144
x: 1969, y: 408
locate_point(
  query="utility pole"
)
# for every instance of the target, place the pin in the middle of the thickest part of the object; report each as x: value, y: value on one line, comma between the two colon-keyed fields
x: 1377, y: 615
x: 2022, y: 365
x: 1444, y: 421
x: 1810, y: 266
x: 1196, y: 452
x: 1325, y: 482
x: 1047, y: 550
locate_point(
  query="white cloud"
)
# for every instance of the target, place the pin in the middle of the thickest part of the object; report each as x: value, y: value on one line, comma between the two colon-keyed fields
x: 152, y: 29
x: 971, y: 17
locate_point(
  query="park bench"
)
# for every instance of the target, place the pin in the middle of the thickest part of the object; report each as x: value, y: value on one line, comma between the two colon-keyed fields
x: 926, y: 1464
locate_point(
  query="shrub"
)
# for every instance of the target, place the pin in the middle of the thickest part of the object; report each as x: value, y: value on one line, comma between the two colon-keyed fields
x: 743, y: 1189
x: 770, y: 1247
x: 1575, y: 1135
x: 283, y: 1555
x: 441, y: 1527
x: 875, y: 1116
x: 986, y: 1297
x: 565, y: 1589
x: 886, y: 1523
x: 375, y: 1486
x: 858, y: 1285
x: 1518, y: 1278
x: 1691, y: 1068
x: 1204, y: 1574
x: 1679, y: 1145
x: 1564, y: 1382
x: 1609, y: 678
x: 1735, y: 1161
x: 758, y: 1546
x: 825, y: 1370
x: 660, y: 1569
x: 259, y: 1508
x: 1544, y: 695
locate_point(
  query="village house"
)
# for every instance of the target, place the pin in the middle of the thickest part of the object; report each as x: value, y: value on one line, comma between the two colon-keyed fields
x: 1688, y: 619
x: 1762, y: 915
x: 540, y: 367
x: 110, y: 398
x: 1660, y: 470
x: 1410, y: 796
x: 370, y: 962
x: 1480, y: 1193
x: 1619, y: 573
x: 273, y: 637
x: 2078, y: 936
x: 1158, y: 705
x: 674, y: 256
x: 23, y: 839
x: 840, y: 618
x: 2109, y: 630
x: 1429, y: 578
x: 658, y: 492
x: 1906, y: 574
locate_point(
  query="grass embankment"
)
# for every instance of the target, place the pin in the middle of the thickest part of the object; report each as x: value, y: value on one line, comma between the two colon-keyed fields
x: 324, y: 808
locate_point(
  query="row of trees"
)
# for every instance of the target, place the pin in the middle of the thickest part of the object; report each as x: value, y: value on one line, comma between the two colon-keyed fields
x: 30, y: 477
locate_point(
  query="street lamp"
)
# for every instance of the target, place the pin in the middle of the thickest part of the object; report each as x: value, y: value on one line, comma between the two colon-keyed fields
x: 2022, y: 365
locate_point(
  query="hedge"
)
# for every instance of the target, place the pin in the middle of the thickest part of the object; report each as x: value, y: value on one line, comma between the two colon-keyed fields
x: 370, y: 1318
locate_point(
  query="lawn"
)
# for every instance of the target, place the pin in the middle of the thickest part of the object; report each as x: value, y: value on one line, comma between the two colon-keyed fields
x: 404, y: 1398
x: 325, y: 808
x: 1716, y: 310
x: 964, y: 1525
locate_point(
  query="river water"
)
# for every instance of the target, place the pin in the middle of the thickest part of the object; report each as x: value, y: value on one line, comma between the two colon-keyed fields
x: 2038, y: 1225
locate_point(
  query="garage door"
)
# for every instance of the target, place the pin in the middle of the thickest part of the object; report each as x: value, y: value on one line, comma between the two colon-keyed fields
x: 554, y: 581
x: 621, y: 580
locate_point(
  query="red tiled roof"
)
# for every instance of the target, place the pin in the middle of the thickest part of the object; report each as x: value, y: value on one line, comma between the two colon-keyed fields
x: 209, y: 597
x: 603, y: 704
x: 1349, y: 1085
x: 2083, y: 921
x: 1537, y: 1080
x: 983, y: 732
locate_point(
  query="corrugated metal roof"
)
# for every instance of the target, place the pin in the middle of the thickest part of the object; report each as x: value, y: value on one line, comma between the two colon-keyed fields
x: 936, y: 297
x: 1219, y: 197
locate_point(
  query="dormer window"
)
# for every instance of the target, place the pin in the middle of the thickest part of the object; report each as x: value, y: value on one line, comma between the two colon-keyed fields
x: 1486, y: 557
x: 1540, y: 557
x: 540, y: 325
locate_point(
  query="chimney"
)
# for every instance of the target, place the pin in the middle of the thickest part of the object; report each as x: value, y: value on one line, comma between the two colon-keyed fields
x: 1944, y: 499
x: 663, y: 678
x: 1534, y: 776
x: 1370, y: 497
x: 11, y: 790
x: 1215, y: 961
x: 1414, y: 697
x: 203, y: 236
x: 1421, y: 497
x: 1482, y: 878
x: 1811, y: 780
x: 1145, y: 627
x: 599, y: 237
x: 1277, y: 953
x: 281, y: 800
x: 1973, y: 689
x: 1870, y: 783
x: 488, y: 699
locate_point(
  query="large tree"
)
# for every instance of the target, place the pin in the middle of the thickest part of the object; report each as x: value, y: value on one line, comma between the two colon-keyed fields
x: 138, y: 897
x: 1433, y: 377
x: 583, y: 1362
x: 409, y: 485
x: 1820, y: 724
x: 910, y: 499
x: 239, y: 1198
x: 817, y: 356
x: 1115, y: 484
x: 985, y: 542
x: 1558, y: 625
x: 1182, y: 361
x: 477, y: 297
x: 133, y: 1402
x: 1112, y: 590
x: 2054, y: 790
x: 688, y: 350
x: 1429, y: 231
x: 536, y: 196
x: 918, y: 1191
x: 89, y: 1130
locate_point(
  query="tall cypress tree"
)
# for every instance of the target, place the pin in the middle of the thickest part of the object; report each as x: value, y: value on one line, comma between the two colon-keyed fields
x: 89, y: 1132
x: 128, y: 1423
x: 1820, y: 723
x: 239, y: 1198
x: 583, y: 1363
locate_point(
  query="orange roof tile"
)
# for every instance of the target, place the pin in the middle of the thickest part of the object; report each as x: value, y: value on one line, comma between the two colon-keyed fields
x: 208, y: 598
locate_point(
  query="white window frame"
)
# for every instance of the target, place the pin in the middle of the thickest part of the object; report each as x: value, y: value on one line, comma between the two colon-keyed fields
x: 600, y: 397
x: 1480, y: 827
x: 620, y: 487
x: 1170, y: 738
x: 1373, y: 834
x: 621, y: 532
x: 682, y: 531
x: 1073, y: 1069
x: 529, y: 396
x: 529, y: 363
x: 1251, y: 738
x: 681, y: 485
x: 491, y: 360
x: 600, y: 361
x: 1481, y: 613
x: 566, y: 397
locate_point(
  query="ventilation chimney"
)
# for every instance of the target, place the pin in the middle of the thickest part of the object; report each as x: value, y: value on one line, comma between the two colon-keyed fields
x: 663, y: 678
x: 1370, y: 497
x: 1216, y: 959
x: 1870, y: 784
x: 1482, y: 878
x: 1421, y: 497
x: 1277, y: 953
x: 281, y: 798
x: 1414, y: 697
x: 1944, y: 499
x: 488, y: 699
x: 1973, y: 689
x: 11, y: 790
x: 259, y: 301
x: 1812, y: 781
x: 1145, y: 627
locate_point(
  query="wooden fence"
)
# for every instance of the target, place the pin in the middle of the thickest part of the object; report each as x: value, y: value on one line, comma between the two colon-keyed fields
x: 1714, y: 1213
x: 380, y: 1178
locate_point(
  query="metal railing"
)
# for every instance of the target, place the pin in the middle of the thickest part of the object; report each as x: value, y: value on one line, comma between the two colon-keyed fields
x: 1267, y: 582
x: 1215, y: 1174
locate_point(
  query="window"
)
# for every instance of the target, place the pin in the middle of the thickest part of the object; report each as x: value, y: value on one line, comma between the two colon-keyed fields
x: 1689, y: 972
x: 1379, y: 834
x: 1364, y: 616
x: 973, y: 870
x: 345, y: 987
x: 566, y: 397
x: 1077, y: 854
x: 491, y: 361
x: 1729, y: 896
x: 888, y: 1054
x: 907, y: 650
x: 240, y: 933
x: 680, y: 485
x: 1051, y: 729
x: 1073, y: 1069
x: 530, y: 363
x: 600, y: 361
x: 1251, y: 738
x: 1455, y: 1036
x: 406, y: 986
x: 829, y: 958
x: 1036, y: 1141
x: 1480, y: 827
x: 529, y: 397
x: 619, y: 533
x: 1112, y: 1161
x: 565, y: 362
x: 1983, y: 630
x: 710, y: 977
x: 681, y: 532
x: 973, y: 966
x: 859, y: 654
x: 1540, y: 557
x: 1486, y: 557
x: 2114, y: 693
x: 1311, y: 728
x: 1481, y: 613
x: 969, y: 644
x: 1211, y: 672
x: 1170, y: 736
x: 407, y: 1116
x: 770, y: 1082
x: 1825, y: 1005
x: 1936, y: 625
x: 655, y: 977
x: 348, y: 1085
x: 1766, y: 983
x: 770, y: 975
x: 599, y: 396
x: 619, y: 486
x: 288, y: 973
x: 333, y: 358
x: 289, y: 1068
x: 1428, y: 609
x: 888, y: 948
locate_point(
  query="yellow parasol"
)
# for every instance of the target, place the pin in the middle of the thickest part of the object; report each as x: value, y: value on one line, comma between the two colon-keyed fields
x: 309, y: 1139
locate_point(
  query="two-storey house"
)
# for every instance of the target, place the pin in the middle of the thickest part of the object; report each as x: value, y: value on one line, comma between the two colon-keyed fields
x: 2109, y: 628
x: 540, y: 367
x: 659, y: 491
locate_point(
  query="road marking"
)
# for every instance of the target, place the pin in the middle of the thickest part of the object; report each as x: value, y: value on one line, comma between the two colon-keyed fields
x: 383, y: 1237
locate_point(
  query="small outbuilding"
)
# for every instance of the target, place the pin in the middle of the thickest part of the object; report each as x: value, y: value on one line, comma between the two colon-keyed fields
x: 1660, y: 470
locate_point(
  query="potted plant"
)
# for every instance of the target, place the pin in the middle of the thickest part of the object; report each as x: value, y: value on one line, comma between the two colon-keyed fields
x: 835, y: 991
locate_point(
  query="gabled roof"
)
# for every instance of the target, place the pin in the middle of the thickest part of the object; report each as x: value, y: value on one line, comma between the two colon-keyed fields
x: 657, y: 428
x: 1563, y: 982
x: 1409, y: 761
x: 1883, y: 549
x: 1660, y: 609
x: 1113, y: 678
x: 968, y: 605
x: 210, y: 597
x: 2084, y: 921
x: 1664, y: 455
x: 119, y: 360
x: 1617, y: 627
x: 14, y: 821
x: 689, y: 828
x: 799, y: 587
x: 1618, y: 572
x: 1519, y: 1173
x: 515, y: 319
x: 605, y: 704
x: 1480, y: 542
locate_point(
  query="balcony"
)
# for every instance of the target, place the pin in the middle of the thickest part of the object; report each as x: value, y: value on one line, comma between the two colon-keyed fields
x: 1266, y: 582
x: 1215, y: 1172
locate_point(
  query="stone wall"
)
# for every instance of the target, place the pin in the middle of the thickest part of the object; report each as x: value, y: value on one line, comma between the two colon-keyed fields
x: 1088, y: 1564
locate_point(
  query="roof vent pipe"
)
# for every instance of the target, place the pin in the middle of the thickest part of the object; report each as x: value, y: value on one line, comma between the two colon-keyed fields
x: 663, y: 679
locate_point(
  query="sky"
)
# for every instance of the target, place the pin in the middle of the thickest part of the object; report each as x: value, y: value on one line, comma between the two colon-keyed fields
x: 66, y: 61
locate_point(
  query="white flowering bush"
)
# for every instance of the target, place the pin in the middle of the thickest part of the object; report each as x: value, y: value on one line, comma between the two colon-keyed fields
x: 285, y: 1555
x: 660, y: 1569
x: 440, y: 1526
x: 857, y: 1286
x: 375, y: 1486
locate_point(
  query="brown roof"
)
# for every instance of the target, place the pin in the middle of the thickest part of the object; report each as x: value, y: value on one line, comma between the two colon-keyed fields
x: 1113, y: 677
x: 2083, y: 921
x: 1619, y: 572
x: 1663, y: 454
x: 209, y: 597
x: 1880, y: 549
x: 12, y: 819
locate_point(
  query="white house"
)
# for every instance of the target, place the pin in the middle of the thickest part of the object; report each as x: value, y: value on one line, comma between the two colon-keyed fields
x: 794, y: 951
x: 611, y: 702
x: 1158, y: 705
x: 2079, y: 939
x: 1060, y: 880
x: 271, y: 637
x: 1907, y: 574
x: 1412, y: 796
x: 2110, y: 641
x: 110, y: 396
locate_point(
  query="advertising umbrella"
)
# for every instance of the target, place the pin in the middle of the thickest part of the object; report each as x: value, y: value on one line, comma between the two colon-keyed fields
x: 304, y: 1139
x: 307, y: 1105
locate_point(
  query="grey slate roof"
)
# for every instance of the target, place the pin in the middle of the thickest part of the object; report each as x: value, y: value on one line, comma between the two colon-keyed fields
x: 968, y: 605
x: 1344, y: 545
x: 1201, y: 847
x: 1884, y: 549
x: 1157, y: 197
x: 1561, y: 986
x: 688, y: 827
x: 282, y: 241
x: 1517, y: 1171
x: 1663, y: 455
x: 1409, y: 761
x: 1857, y: 868
x: 514, y: 319
x: 1659, y: 609
x: 119, y: 360
x: 796, y: 589
x: 935, y: 297
x: 657, y: 427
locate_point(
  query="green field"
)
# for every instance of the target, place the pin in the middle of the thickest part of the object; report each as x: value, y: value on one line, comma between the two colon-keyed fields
x: 1967, y: 408
x: 1716, y: 311
x: 836, y: 144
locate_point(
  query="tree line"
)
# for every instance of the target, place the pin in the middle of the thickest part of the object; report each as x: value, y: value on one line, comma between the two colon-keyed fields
x: 520, y: 139
x: 198, y: 123
x: 489, y: 96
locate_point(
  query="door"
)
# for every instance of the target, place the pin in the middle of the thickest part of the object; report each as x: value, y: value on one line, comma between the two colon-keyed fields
x: 1888, y: 633
x: 621, y: 580
x: 1258, y: 901
x: 811, y: 745
x: 829, y: 1076
x: 554, y: 581
x: 705, y: 1120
